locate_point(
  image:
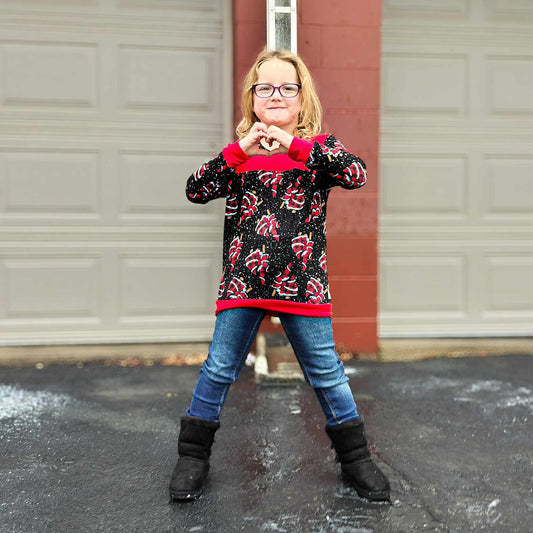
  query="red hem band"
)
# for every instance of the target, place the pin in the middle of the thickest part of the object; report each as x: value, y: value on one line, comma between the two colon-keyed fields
x: 279, y: 306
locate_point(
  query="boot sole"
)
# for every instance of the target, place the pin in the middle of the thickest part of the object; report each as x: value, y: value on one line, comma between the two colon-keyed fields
x: 374, y: 496
x: 185, y: 496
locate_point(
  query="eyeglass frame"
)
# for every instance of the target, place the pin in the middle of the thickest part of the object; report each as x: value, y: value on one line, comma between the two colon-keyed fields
x: 299, y: 85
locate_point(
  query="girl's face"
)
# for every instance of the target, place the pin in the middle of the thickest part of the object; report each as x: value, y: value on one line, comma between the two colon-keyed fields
x: 276, y: 110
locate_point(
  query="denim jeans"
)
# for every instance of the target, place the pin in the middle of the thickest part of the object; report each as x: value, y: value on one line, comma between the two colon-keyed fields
x: 312, y: 341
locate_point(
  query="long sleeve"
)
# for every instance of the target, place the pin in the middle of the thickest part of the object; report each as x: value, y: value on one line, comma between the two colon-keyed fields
x: 333, y: 164
x: 214, y: 179
x: 209, y: 182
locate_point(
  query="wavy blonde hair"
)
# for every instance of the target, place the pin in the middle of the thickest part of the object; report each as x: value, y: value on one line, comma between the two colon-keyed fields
x: 310, y: 117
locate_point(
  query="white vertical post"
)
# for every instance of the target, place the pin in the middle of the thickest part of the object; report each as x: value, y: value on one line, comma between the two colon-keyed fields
x: 282, y: 25
x: 294, y: 27
x: 271, y: 24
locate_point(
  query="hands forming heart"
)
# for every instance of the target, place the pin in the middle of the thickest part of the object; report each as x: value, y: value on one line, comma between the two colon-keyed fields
x: 263, y: 143
x: 266, y: 140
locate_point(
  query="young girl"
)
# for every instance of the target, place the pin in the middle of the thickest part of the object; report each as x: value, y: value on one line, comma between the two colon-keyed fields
x: 276, y: 180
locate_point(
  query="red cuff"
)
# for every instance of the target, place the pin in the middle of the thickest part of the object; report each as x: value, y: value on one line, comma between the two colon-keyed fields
x: 234, y: 155
x: 300, y: 149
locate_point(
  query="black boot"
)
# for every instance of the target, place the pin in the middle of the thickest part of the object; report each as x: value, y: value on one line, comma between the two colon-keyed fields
x: 349, y: 441
x: 194, y: 448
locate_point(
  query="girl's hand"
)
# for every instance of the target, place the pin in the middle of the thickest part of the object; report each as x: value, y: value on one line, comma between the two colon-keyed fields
x: 282, y: 137
x: 250, y: 144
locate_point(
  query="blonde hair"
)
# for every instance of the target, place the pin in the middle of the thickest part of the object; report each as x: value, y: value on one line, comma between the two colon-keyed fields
x: 310, y: 116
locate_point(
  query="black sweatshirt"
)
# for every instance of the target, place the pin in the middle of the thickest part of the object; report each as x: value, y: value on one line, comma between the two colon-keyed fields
x: 274, y: 254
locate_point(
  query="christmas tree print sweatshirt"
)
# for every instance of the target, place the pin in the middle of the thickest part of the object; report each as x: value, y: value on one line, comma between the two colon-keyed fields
x: 274, y: 252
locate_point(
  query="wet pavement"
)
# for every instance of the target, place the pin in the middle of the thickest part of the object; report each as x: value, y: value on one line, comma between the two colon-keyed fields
x: 91, y: 448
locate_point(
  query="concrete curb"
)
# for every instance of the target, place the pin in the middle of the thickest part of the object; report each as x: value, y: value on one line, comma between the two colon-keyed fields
x: 179, y: 354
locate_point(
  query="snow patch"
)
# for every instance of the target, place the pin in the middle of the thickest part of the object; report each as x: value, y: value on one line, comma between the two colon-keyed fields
x: 26, y: 406
x: 489, y: 394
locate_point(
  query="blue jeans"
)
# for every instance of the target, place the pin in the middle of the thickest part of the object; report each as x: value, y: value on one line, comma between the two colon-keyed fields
x: 312, y: 341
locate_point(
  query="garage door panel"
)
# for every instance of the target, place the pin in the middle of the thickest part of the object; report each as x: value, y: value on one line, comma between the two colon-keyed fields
x: 79, y: 187
x: 52, y: 4
x: 152, y: 188
x: 167, y: 286
x: 519, y: 11
x: 170, y: 79
x: 121, y: 290
x: 424, y: 186
x: 420, y: 83
x: 509, y: 188
x: 115, y: 79
x: 49, y: 184
x: 211, y: 7
x: 50, y: 74
x: 424, y: 283
x: 424, y: 9
x: 510, y: 85
x: 503, y: 275
x: 195, y: 10
x: 42, y: 287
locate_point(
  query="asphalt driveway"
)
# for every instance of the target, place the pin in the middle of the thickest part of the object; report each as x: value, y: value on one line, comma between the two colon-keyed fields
x: 89, y: 448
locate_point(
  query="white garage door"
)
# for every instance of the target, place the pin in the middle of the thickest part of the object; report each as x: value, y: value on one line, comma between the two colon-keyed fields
x: 106, y: 108
x: 457, y: 168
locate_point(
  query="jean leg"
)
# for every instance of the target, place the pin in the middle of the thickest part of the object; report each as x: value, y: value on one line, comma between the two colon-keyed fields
x: 235, y: 331
x: 312, y: 341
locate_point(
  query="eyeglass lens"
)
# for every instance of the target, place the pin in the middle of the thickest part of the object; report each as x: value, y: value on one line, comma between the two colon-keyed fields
x: 265, y: 90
